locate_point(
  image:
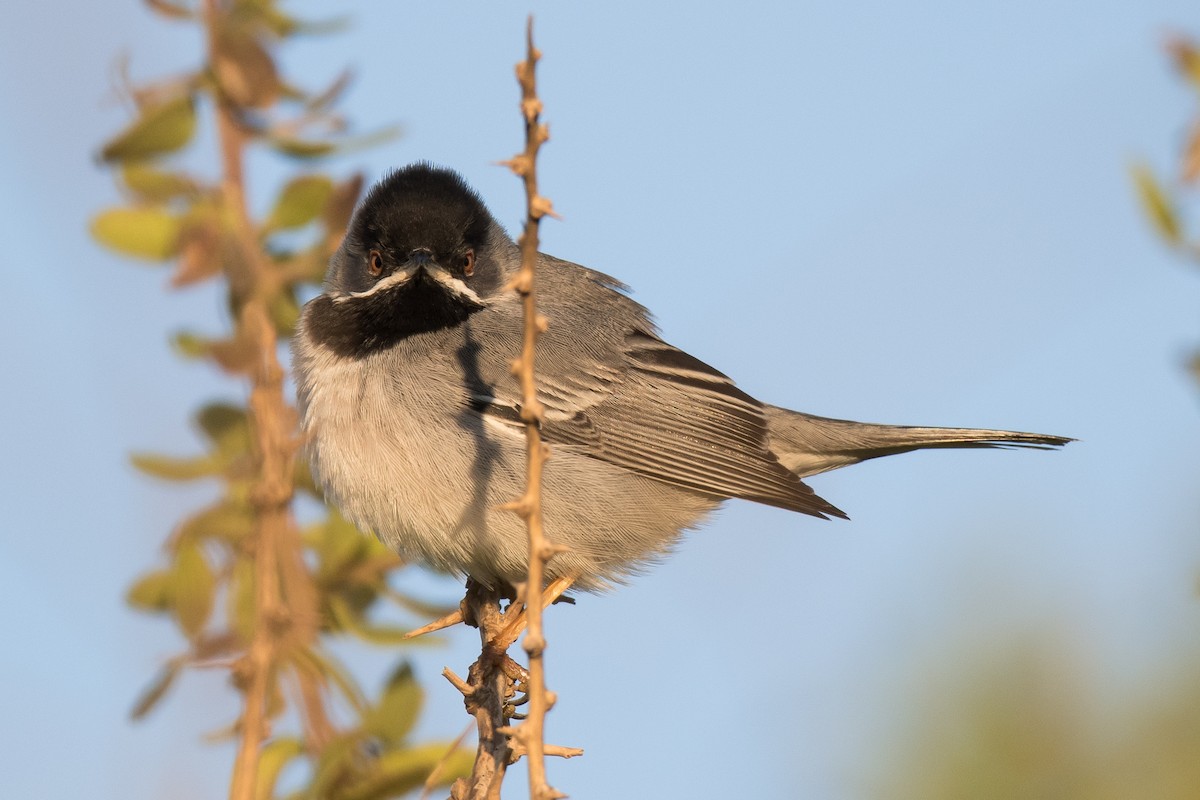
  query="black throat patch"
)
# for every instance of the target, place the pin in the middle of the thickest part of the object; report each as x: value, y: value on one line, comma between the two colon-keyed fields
x: 358, y: 326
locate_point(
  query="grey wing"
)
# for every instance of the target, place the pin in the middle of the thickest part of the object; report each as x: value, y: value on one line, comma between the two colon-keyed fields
x: 614, y: 391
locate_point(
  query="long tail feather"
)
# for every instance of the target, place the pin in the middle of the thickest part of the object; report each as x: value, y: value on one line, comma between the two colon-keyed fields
x: 808, y: 444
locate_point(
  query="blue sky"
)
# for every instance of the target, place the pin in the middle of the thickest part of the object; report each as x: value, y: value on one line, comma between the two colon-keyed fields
x: 914, y: 213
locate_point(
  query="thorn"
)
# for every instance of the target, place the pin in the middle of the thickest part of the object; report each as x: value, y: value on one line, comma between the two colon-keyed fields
x: 458, y: 682
x: 453, y: 618
x: 541, y: 206
x: 561, y: 752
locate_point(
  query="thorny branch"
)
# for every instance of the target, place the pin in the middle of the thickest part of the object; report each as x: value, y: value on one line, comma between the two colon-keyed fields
x: 494, y: 680
x: 531, y: 733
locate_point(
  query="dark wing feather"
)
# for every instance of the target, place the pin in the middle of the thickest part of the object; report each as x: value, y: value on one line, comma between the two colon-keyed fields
x: 677, y: 419
x: 614, y: 391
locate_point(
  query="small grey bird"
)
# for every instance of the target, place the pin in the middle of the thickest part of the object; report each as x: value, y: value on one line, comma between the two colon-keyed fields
x: 412, y: 416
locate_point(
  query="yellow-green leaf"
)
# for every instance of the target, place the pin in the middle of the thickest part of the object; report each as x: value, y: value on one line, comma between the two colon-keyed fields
x: 301, y: 148
x: 155, y: 691
x: 152, y: 592
x: 156, y: 185
x: 190, y: 345
x: 228, y: 521
x: 244, y: 68
x: 340, y: 207
x: 339, y: 547
x: 1187, y: 59
x: 301, y: 201
x: 401, y: 771
x: 349, y: 619
x: 302, y: 476
x: 327, y: 665
x: 284, y: 311
x: 335, y: 763
x: 175, y: 469
x: 226, y: 426
x: 271, y: 761
x: 394, y: 715
x: 195, y: 586
x: 1157, y: 204
x: 145, y: 232
x: 233, y: 355
x: 162, y: 128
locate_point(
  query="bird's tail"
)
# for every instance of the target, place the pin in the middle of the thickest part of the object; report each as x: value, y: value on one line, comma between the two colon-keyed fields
x: 807, y: 444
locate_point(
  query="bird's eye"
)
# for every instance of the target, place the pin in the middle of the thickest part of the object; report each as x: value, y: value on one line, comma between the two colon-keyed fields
x: 468, y: 266
x: 375, y: 263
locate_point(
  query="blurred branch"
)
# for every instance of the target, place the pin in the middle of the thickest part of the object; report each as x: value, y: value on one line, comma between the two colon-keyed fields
x: 282, y: 592
x: 276, y: 545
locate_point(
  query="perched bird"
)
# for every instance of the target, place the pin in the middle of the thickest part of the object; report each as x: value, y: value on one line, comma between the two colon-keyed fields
x: 413, y: 419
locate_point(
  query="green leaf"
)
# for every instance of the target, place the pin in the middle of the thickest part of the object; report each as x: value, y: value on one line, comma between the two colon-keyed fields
x: 156, y: 185
x: 304, y: 480
x: 397, y: 710
x: 243, y: 67
x: 152, y: 592
x: 284, y: 311
x: 160, y: 129
x: 175, y: 469
x: 330, y: 95
x: 233, y: 355
x: 300, y: 202
x: 1157, y: 204
x: 145, y: 232
x: 301, y: 148
x: 327, y: 665
x: 155, y: 691
x: 336, y: 761
x: 340, y: 208
x: 340, y: 546
x: 271, y: 761
x: 347, y: 618
x: 190, y: 345
x: 401, y: 771
x: 226, y: 426
x: 231, y: 522
x: 195, y: 586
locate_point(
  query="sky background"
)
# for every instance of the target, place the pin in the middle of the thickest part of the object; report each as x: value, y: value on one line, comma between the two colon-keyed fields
x: 914, y: 213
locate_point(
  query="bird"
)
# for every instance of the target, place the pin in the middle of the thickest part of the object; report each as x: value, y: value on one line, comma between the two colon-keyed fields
x: 412, y: 418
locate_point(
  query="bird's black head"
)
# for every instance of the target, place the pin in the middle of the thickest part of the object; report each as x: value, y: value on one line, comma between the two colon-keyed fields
x: 421, y: 254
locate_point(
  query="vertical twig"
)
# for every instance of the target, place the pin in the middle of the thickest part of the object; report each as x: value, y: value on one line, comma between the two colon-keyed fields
x: 494, y: 679
x: 278, y: 572
x: 531, y: 733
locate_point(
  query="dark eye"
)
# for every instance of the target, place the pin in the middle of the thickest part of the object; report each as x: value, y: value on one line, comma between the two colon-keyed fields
x: 375, y: 263
x: 468, y: 264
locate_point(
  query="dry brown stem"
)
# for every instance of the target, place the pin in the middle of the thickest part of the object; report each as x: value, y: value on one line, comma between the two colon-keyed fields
x: 285, y: 607
x: 487, y: 693
x: 491, y: 689
x: 531, y: 733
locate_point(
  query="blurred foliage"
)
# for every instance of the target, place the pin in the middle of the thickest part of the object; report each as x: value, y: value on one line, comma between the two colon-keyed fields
x: 1165, y: 200
x: 1027, y: 725
x: 207, y: 584
x: 1024, y: 726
